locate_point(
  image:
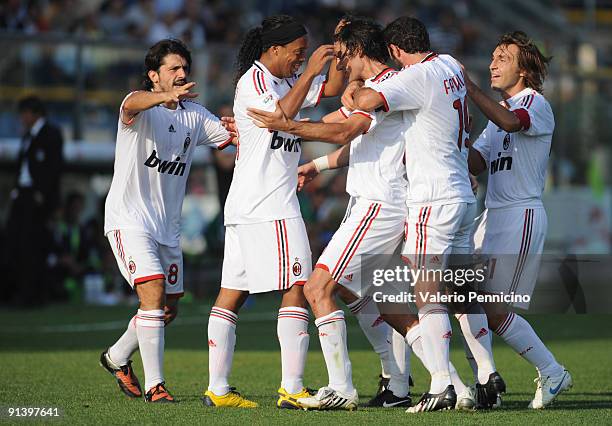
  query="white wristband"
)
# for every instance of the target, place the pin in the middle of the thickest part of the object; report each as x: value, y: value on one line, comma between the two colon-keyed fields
x: 321, y: 163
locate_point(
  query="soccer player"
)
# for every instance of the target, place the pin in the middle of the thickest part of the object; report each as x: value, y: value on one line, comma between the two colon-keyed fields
x: 431, y: 92
x: 514, y: 149
x: 374, y: 223
x: 266, y: 245
x: 159, y: 128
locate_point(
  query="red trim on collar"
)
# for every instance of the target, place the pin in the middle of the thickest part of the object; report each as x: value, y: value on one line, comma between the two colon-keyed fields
x: 429, y: 57
x: 382, y: 74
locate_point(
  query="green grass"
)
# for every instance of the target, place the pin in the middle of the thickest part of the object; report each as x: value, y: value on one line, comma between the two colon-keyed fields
x: 46, y: 364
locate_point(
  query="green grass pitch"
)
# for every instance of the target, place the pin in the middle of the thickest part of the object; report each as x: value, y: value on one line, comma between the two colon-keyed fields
x: 49, y: 358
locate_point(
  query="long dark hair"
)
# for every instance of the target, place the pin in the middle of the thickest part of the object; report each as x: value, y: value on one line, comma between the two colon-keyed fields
x: 530, y: 59
x: 252, y: 47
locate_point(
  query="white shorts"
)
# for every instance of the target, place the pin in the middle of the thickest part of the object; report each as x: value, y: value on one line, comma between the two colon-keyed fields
x: 368, y: 228
x: 436, y: 232
x: 140, y: 259
x: 513, y: 239
x: 266, y: 256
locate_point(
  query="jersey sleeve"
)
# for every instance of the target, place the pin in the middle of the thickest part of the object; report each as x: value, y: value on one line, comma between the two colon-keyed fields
x: 375, y: 118
x: 213, y: 133
x: 483, y: 144
x: 403, y: 91
x: 134, y: 120
x: 535, y: 115
x: 313, y: 97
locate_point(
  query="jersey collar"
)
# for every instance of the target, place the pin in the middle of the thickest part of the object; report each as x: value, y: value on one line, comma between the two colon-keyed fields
x: 514, y: 99
x: 381, y: 74
x: 266, y: 71
x: 429, y: 57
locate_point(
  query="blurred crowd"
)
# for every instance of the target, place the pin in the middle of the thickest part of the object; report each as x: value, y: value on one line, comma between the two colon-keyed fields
x: 198, y: 22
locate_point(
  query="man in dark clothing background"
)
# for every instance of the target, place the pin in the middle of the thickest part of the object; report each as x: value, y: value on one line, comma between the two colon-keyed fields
x: 34, y: 201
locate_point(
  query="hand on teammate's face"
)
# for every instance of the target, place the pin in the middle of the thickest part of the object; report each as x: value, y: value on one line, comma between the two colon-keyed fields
x: 306, y: 173
x: 319, y: 59
x: 275, y: 120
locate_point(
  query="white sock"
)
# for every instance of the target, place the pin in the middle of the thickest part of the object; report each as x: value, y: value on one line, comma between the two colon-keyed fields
x: 123, y: 349
x: 399, y: 383
x: 332, y: 335
x: 292, y: 330
x: 150, y: 332
x: 475, y: 329
x: 456, y: 379
x: 413, y: 339
x: 470, y: 359
x: 221, y: 342
x: 376, y: 330
x: 435, y: 337
x: 522, y: 338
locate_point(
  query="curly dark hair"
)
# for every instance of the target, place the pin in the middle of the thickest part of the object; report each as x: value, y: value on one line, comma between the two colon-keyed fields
x: 252, y: 46
x: 157, y: 53
x: 530, y: 60
x: 363, y: 36
x: 409, y: 34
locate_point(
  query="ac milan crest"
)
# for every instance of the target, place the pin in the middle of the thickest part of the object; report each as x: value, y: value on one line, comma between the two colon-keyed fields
x: 297, y: 268
x: 507, y: 141
x: 132, y: 266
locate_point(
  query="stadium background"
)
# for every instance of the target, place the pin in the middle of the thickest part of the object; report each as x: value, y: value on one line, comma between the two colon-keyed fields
x: 82, y: 57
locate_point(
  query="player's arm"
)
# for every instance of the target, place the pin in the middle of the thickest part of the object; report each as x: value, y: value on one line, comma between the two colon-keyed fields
x: 348, y: 96
x: 336, y: 78
x: 405, y: 90
x: 335, y: 83
x: 476, y: 163
x: 143, y: 100
x: 292, y: 102
x: 510, y: 121
x: 367, y: 99
x: 479, y: 152
x: 336, y: 133
x: 335, y: 160
x: 334, y: 117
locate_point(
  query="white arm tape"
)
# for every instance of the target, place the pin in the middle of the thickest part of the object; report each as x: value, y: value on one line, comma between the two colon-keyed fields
x: 321, y: 163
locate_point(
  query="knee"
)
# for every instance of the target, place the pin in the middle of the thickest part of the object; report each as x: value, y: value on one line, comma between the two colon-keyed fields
x: 317, y: 288
x: 295, y: 297
x: 151, y: 295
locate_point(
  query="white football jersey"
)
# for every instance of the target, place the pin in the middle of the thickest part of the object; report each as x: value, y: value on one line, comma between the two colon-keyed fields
x: 432, y: 94
x: 376, y: 166
x: 265, y: 175
x: 517, y: 161
x: 152, y: 160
